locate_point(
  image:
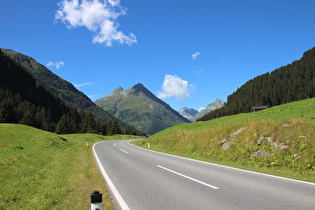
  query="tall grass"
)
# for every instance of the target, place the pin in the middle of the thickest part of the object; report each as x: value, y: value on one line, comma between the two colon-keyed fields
x: 282, y: 136
x: 42, y: 170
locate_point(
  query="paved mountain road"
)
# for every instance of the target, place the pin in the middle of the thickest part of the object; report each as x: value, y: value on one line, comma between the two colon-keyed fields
x: 143, y: 179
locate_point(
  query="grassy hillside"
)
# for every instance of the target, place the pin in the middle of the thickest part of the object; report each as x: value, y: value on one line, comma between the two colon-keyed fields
x: 293, y: 82
x: 44, y: 169
x: 279, y: 140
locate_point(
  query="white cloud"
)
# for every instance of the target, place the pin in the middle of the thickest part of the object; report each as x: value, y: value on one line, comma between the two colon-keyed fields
x: 93, y: 97
x: 56, y: 64
x: 175, y: 86
x: 100, y: 17
x: 201, y: 108
x: 199, y: 72
x: 194, y: 56
x: 80, y: 85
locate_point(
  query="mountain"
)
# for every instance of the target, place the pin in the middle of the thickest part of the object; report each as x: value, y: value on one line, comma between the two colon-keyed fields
x: 293, y: 82
x: 213, y: 106
x: 60, y: 87
x: 137, y: 106
x: 188, y: 113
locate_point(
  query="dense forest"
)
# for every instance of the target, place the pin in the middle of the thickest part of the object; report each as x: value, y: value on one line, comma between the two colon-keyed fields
x: 24, y: 101
x: 293, y: 82
x: 61, y: 88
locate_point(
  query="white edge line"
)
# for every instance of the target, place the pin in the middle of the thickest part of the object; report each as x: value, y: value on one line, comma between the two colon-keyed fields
x: 229, y: 167
x: 124, y: 151
x: 111, y: 185
x: 187, y: 177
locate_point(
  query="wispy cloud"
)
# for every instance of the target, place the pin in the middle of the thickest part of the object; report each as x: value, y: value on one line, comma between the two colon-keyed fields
x: 56, y: 64
x: 175, y: 86
x: 100, y: 17
x: 81, y: 85
x: 199, y: 72
x: 194, y: 56
x: 93, y: 97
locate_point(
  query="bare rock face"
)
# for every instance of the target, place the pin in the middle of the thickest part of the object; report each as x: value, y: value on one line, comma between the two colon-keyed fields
x: 213, y: 106
x: 188, y: 113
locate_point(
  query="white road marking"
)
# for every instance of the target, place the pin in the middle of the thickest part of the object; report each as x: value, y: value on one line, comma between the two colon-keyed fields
x: 111, y: 185
x: 187, y: 177
x: 114, y: 144
x: 228, y: 167
x: 124, y: 151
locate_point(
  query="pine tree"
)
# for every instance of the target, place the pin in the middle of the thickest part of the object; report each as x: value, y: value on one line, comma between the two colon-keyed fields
x: 89, y: 125
x: 116, y: 128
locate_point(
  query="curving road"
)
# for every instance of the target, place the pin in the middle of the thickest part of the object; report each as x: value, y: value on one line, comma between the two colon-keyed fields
x: 144, y: 179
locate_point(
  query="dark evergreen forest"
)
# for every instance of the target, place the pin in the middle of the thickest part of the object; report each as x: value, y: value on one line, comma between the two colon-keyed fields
x: 24, y: 101
x: 293, y: 82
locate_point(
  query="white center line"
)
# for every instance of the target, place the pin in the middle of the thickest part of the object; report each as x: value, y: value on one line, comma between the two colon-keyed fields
x: 187, y: 177
x: 124, y: 151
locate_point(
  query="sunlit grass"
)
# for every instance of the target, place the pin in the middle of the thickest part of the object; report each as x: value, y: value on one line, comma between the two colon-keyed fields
x: 290, y: 129
x: 43, y: 170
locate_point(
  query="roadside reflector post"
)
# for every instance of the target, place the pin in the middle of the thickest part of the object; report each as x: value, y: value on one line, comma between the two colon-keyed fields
x: 149, y: 145
x: 96, y: 200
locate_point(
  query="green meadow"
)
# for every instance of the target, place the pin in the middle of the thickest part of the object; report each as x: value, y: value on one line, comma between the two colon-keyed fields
x: 43, y: 170
x: 279, y: 140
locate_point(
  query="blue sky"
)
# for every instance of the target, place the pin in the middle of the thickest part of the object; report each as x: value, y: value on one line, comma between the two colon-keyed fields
x: 187, y: 52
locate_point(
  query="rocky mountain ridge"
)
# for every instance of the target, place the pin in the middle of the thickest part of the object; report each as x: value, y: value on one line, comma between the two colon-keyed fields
x: 139, y: 107
x: 188, y: 113
x: 193, y: 115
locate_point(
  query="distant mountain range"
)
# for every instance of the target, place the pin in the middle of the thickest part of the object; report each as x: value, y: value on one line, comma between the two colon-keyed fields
x: 193, y: 115
x: 188, y: 113
x: 60, y: 87
x: 137, y: 106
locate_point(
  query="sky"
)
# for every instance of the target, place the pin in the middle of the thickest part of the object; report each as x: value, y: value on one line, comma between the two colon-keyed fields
x: 186, y: 52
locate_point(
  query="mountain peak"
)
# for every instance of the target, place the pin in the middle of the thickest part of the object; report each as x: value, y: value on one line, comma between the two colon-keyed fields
x: 188, y: 113
x: 139, y: 88
x: 139, y: 107
x: 210, y: 107
x: 119, y: 91
x: 139, y: 85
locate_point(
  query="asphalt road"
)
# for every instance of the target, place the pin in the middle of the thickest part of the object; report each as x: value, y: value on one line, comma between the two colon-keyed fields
x: 143, y: 179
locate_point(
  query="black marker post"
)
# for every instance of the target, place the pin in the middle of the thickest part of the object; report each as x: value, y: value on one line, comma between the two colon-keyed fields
x: 96, y: 200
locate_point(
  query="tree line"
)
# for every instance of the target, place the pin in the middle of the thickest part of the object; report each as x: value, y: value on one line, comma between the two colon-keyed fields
x: 24, y: 101
x: 290, y: 83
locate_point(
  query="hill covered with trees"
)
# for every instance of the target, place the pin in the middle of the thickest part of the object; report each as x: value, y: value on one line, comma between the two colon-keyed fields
x: 25, y: 101
x: 290, y: 83
x: 60, y: 87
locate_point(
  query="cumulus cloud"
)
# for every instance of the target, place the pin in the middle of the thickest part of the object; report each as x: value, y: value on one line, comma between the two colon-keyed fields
x: 99, y: 17
x: 194, y: 56
x: 200, y: 109
x: 56, y: 64
x: 175, y: 86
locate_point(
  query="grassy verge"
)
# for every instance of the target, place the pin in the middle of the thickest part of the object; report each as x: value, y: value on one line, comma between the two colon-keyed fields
x: 42, y: 170
x: 279, y: 140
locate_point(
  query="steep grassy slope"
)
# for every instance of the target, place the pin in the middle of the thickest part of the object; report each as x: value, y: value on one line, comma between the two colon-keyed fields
x: 279, y: 140
x: 137, y: 106
x: 43, y: 170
